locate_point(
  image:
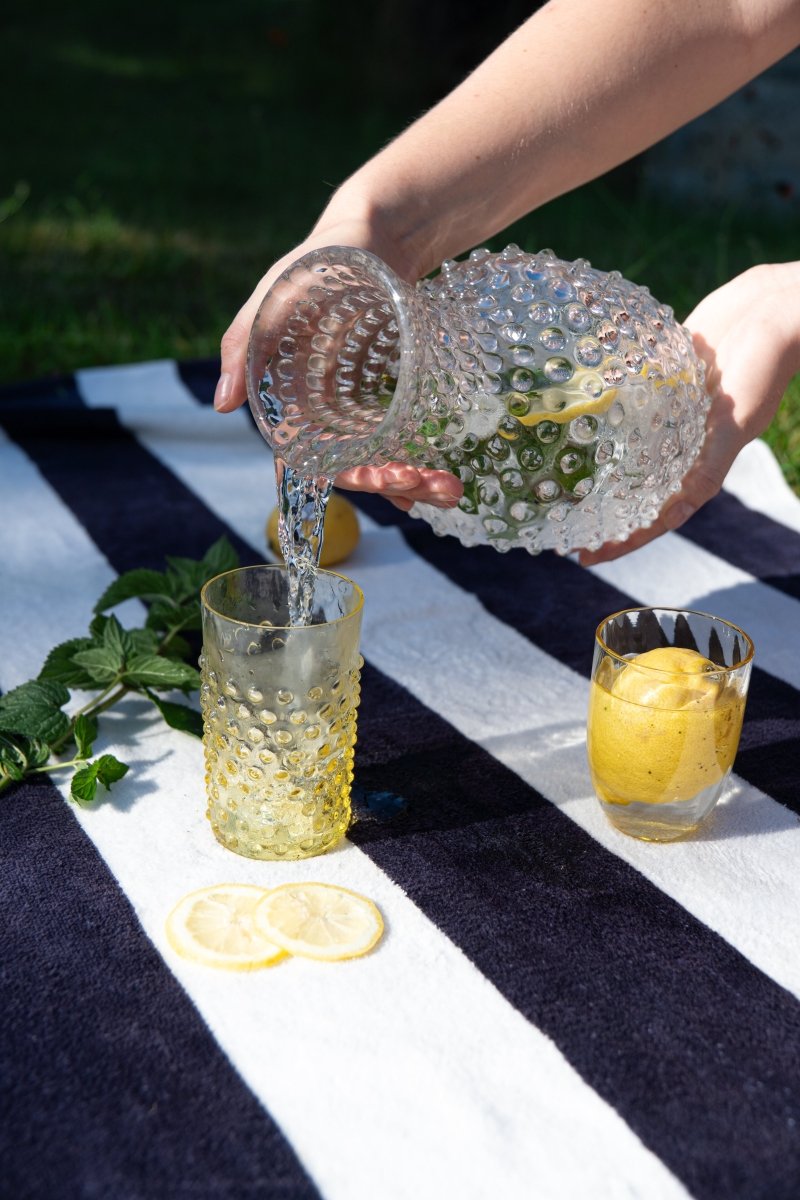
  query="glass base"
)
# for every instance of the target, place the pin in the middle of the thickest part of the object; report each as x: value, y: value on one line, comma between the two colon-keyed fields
x: 277, y: 847
x: 664, y: 822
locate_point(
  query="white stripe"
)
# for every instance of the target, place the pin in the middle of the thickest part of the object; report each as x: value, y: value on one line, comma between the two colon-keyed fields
x: 409, y: 1058
x: 740, y: 877
x: 673, y: 572
x: 757, y: 480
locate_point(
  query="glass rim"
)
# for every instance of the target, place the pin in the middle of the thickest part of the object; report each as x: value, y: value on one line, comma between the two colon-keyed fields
x: 318, y: 260
x: 691, y: 612
x: 281, y: 569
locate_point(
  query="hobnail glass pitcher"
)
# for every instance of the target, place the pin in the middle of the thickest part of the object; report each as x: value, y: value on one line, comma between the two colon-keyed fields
x: 568, y: 400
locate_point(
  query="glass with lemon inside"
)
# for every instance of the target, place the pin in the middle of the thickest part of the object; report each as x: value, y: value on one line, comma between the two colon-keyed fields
x: 666, y: 706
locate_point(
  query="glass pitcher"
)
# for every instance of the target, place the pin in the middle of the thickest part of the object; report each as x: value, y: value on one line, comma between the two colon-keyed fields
x: 568, y: 401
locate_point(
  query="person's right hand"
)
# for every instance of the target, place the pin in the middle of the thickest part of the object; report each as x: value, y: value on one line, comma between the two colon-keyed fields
x: 231, y: 390
x: 400, y: 483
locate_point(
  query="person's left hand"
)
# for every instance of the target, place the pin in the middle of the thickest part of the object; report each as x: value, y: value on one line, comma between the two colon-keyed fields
x: 748, y: 334
x: 405, y: 484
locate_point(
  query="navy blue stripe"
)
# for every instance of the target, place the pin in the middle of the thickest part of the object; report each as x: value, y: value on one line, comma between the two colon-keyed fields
x: 112, y: 1084
x: 200, y: 376
x: 697, y: 1049
x: 44, y: 396
x: 749, y: 540
x: 538, y: 597
x: 691, y: 1044
x: 121, y: 494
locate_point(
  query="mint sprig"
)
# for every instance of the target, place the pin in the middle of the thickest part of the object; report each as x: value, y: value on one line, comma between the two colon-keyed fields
x: 110, y: 662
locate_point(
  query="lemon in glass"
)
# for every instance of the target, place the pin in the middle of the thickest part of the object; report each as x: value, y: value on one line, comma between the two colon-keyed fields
x: 663, y: 730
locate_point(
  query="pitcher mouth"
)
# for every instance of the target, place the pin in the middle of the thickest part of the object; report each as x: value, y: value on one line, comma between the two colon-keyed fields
x: 332, y: 356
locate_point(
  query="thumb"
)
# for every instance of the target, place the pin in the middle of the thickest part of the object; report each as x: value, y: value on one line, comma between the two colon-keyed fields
x: 231, y: 391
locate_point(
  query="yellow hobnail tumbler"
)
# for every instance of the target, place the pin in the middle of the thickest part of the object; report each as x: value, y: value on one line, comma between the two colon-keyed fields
x: 279, y: 712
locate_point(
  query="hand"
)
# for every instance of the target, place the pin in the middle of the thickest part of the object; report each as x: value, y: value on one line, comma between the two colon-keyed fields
x: 404, y: 484
x: 365, y: 233
x: 748, y: 334
x: 399, y: 482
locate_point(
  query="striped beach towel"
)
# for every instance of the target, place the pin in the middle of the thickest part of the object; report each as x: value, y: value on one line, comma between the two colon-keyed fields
x: 556, y: 1012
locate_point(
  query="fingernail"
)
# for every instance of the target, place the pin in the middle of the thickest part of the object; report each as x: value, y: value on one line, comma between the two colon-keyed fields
x: 223, y: 390
x: 677, y: 514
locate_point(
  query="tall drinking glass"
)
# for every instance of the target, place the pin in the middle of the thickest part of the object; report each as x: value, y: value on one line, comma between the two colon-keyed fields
x: 665, y: 712
x: 279, y: 712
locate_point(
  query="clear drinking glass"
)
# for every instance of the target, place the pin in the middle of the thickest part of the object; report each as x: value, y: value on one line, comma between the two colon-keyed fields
x: 665, y: 712
x: 279, y: 712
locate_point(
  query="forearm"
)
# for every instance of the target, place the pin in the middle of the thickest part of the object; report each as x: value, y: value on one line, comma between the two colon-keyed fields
x: 578, y: 89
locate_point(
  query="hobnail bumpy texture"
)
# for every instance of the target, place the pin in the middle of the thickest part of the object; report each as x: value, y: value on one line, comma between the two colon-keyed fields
x: 568, y: 400
x: 278, y: 765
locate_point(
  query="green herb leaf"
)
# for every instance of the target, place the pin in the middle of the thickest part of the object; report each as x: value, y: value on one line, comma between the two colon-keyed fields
x: 106, y: 770
x: 85, y: 733
x: 143, y: 641
x: 179, y: 716
x: 34, y: 709
x: 117, y: 640
x: 84, y: 784
x: 19, y: 754
x: 61, y: 667
x: 155, y: 671
x: 188, y: 574
x: 102, y: 664
x: 179, y: 648
x: 143, y: 584
x: 220, y: 557
x: 181, y: 616
x: 110, y: 769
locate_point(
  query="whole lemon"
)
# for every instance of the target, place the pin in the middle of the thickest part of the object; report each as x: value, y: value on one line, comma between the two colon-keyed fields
x: 341, y: 531
x: 664, y: 733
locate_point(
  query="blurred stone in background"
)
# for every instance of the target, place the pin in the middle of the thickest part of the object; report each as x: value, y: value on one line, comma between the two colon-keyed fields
x: 743, y: 154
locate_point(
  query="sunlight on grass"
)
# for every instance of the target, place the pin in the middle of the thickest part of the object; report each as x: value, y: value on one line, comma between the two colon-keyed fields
x: 89, y: 58
x: 783, y: 435
x: 103, y: 232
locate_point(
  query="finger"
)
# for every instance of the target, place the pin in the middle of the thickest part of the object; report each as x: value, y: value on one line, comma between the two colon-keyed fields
x: 231, y: 391
x: 396, y: 477
x: 401, y: 480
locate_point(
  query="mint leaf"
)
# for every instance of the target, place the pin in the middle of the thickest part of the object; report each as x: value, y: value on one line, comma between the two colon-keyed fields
x: 179, y: 716
x: 188, y: 576
x: 84, y: 732
x: 110, y: 769
x: 20, y: 754
x: 106, y: 770
x: 101, y: 664
x: 143, y: 641
x: 61, y: 667
x: 178, y: 647
x: 178, y: 616
x: 155, y: 671
x: 142, y: 584
x: 34, y: 709
x: 220, y: 557
x: 117, y: 640
x: 84, y: 784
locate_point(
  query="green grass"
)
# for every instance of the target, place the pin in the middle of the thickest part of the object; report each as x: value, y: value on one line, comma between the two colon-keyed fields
x: 158, y: 159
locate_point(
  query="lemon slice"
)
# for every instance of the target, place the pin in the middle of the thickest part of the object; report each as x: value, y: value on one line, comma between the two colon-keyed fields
x: 215, y: 926
x: 583, y: 395
x: 318, y: 920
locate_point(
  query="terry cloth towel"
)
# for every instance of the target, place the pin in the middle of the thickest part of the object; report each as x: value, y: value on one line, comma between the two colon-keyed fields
x: 556, y: 1012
